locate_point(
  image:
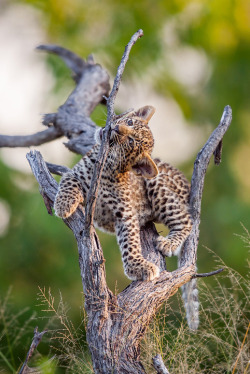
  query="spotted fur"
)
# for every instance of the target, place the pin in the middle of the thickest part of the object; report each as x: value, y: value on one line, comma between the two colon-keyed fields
x: 134, y: 189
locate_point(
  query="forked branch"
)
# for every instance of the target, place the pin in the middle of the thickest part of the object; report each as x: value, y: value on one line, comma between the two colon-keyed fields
x: 72, y: 119
x: 35, y: 341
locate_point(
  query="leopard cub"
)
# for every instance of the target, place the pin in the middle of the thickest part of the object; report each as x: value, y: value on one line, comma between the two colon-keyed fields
x: 134, y: 189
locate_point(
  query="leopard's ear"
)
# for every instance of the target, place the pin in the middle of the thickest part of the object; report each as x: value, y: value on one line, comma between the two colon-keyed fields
x: 145, y: 167
x: 145, y: 113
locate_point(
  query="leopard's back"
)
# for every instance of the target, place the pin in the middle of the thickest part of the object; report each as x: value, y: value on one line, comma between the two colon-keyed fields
x: 174, y: 179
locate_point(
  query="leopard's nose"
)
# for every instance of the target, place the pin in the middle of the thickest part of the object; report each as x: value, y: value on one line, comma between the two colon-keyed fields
x: 115, y: 130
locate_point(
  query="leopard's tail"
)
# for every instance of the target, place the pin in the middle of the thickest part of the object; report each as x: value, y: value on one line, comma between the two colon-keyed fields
x: 190, y: 299
x: 191, y: 303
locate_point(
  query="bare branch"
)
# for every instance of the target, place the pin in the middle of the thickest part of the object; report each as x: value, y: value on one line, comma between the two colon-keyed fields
x: 203, y: 275
x: 28, y: 140
x: 57, y: 169
x: 120, y: 70
x: 46, y: 182
x: 72, y: 60
x: 189, y: 251
x: 159, y: 365
x: 92, y: 85
x: 73, y: 117
x: 36, y: 340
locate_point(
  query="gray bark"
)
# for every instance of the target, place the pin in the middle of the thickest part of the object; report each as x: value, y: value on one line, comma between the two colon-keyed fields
x: 35, y: 341
x: 73, y: 117
x: 159, y: 365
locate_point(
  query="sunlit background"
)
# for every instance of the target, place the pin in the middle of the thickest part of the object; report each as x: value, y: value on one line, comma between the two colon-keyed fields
x: 193, y: 60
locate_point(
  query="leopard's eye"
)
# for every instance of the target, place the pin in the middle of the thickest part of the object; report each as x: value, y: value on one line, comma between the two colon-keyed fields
x: 131, y: 141
x: 130, y: 122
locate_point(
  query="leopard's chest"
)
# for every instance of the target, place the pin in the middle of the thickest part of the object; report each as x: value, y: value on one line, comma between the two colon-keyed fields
x: 114, y: 197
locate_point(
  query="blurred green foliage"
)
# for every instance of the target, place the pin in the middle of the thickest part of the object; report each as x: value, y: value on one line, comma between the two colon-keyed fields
x: 38, y: 250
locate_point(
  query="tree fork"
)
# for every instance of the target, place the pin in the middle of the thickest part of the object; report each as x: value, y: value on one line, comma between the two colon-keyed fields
x: 116, y: 325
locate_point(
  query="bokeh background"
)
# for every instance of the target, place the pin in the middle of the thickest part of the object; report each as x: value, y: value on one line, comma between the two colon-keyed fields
x: 193, y: 60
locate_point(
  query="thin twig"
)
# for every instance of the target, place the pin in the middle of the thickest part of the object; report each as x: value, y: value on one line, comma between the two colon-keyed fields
x: 35, y: 341
x: 38, y: 138
x: 57, y: 169
x: 120, y: 70
x: 95, y: 181
x: 203, y: 275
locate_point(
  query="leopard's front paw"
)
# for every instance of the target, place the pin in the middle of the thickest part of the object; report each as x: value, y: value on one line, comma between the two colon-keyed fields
x: 167, y: 247
x: 66, y: 205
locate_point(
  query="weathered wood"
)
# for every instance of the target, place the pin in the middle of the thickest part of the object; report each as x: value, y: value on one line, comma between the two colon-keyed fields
x: 159, y: 365
x: 73, y: 117
x: 41, y: 137
x: 35, y: 341
x: 57, y: 169
x: 189, y: 250
x: 197, y: 183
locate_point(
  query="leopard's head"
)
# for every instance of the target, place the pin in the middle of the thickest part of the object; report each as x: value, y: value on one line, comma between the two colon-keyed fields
x: 131, y: 142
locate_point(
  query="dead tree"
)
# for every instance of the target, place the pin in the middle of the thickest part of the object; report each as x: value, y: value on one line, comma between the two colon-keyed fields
x: 116, y: 323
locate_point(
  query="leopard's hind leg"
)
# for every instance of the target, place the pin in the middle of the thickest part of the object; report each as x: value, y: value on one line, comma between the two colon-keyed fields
x: 172, y: 211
